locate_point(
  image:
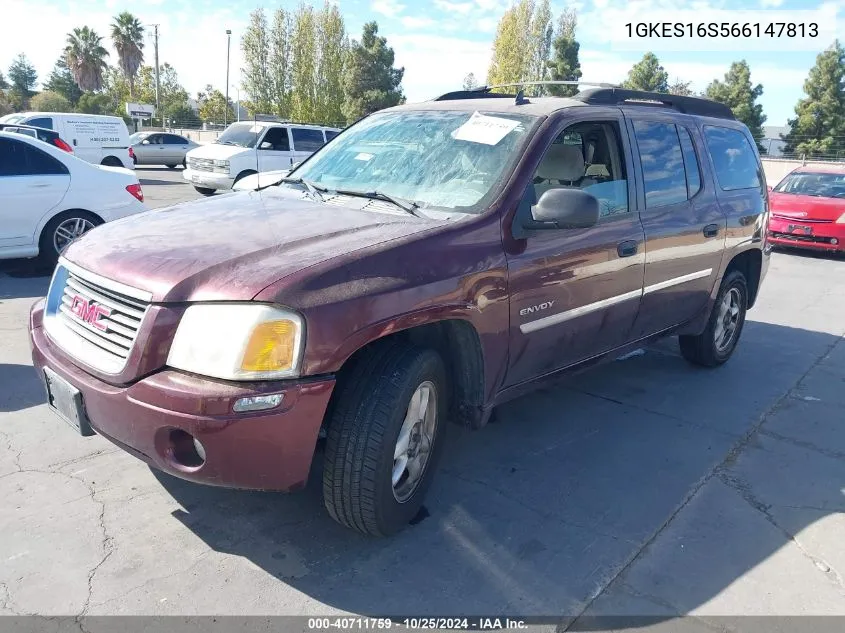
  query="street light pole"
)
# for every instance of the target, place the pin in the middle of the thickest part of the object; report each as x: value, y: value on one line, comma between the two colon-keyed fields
x: 226, y: 105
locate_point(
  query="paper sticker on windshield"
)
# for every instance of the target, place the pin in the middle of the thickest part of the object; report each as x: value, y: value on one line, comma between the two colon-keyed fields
x: 255, y: 129
x: 480, y: 128
x: 364, y: 156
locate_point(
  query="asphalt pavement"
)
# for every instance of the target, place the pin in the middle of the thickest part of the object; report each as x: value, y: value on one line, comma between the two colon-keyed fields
x: 644, y: 487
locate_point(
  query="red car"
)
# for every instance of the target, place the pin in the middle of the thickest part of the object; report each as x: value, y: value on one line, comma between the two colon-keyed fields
x: 808, y: 209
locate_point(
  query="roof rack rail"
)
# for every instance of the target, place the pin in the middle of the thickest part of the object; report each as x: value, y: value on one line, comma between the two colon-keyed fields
x: 484, y: 92
x: 687, y: 105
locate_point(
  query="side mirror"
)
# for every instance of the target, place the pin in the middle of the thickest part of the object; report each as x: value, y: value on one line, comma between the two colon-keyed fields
x: 145, y: 142
x: 563, y: 209
x: 768, y: 187
x: 266, y: 145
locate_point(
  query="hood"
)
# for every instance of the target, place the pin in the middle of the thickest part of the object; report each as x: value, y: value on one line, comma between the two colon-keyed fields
x: 261, y: 179
x: 234, y: 245
x: 216, y: 151
x: 802, y: 207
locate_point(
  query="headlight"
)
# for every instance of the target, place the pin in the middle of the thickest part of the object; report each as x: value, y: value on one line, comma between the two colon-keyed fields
x: 841, y: 219
x: 221, y: 166
x: 238, y: 341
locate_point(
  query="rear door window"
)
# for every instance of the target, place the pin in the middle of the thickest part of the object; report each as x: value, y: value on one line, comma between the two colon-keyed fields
x: 21, y: 159
x: 41, y: 122
x: 733, y: 158
x: 330, y: 134
x: 172, y: 139
x: 691, y: 165
x: 662, y: 162
x: 307, y: 140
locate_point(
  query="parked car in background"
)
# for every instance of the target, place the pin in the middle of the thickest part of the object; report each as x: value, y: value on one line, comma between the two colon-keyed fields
x: 431, y: 263
x: 247, y: 148
x: 160, y: 148
x: 42, y: 134
x: 98, y: 139
x: 49, y: 197
x: 808, y: 209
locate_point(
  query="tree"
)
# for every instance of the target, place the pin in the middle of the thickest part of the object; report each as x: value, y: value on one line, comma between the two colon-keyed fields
x: 61, y: 82
x: 564, y: 65
x: 48, y: 101
x: 183, y: 115
x: 257, y: 78
x: 332, y: 47
x: 819, y: 123
x: 512, y: 52
x: 127, y: 35
x: 681, y: 88
x: 95, y: 103
x: 470, y: 82
x: 737, y: 93
x: 280, y: 65
x: 540, y: 45
x: 647, y: 74
x: 86, y: 58
x: 23, y: 77
x: 213, y: 106
x: 304, y: 44
x: 372, y: 83
x: 4, y: 85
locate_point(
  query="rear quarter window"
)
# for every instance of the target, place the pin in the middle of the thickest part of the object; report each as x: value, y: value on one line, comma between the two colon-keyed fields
x: 734, y: 159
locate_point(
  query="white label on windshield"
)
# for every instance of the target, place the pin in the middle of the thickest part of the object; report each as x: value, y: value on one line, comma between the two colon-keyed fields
x: 480, y: 128
x: 364, y: 156
x: 255, y: 129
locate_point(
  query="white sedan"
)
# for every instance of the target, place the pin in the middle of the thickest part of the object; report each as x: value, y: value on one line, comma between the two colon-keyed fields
x: 49, y: 197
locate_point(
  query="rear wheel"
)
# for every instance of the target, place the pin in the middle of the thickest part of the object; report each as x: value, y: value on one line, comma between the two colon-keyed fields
x: 172, y: 166
x: 205, y: 190
x: 717, y: 343
x: 61, y: 231
x: 383, y: 440
x: 111, y: 161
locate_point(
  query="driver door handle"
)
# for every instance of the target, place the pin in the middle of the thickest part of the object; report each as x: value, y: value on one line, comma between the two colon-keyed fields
x: 627, y: 248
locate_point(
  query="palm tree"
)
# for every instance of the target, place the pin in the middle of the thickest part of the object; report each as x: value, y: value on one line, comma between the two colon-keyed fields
x: 127, y: 34
x: 86, y: 58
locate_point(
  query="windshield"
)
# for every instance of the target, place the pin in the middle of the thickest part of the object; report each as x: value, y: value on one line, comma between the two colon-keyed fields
x: 437, y: 159
x: 12, y: 118
x: 808, y: 184
x: 241, y: 134
x: 138, y: 137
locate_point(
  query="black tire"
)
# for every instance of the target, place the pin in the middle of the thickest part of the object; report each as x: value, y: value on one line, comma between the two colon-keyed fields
x: 47, y: 253
x: 367, y: 414
x: 205, y: 190
x: 171, y: 166
x: 704, y: 349
x: 111, y: 161
x: 184, y: 163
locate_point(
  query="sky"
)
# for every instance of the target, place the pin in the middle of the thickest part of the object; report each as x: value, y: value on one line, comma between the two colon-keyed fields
x: 440, y: 41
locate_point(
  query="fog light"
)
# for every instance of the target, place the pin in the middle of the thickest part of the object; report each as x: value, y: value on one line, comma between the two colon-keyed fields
x: 199, y: 448
x: 834, y: 241
x: 257, y: 403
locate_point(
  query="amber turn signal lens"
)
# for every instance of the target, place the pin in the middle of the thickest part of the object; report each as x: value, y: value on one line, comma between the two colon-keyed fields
x: 271, y: 347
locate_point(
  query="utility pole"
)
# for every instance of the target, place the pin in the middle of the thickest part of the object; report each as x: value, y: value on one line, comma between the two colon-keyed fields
x: 226, y: 105
x: 158, y: 104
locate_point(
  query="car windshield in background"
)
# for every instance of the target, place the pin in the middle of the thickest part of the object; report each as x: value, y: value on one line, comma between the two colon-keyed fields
x: 241, y: 134
x: 138, y: 137
x: 441, y: 160
x: 821, y: 185
x: 12, y: 118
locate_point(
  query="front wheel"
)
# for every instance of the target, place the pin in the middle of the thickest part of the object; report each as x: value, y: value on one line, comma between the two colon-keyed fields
x: 717, y: 343
x: 205, y: 190
x: 383, y: 439
x: 61, y: 231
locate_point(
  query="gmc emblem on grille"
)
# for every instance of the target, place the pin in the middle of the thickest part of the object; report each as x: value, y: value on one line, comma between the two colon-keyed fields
x: 89, y: 312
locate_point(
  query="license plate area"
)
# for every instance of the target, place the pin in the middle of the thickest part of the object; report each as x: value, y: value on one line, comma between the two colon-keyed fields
x: 800, y: 229
x: 195, y: 178
x: 66, y: 401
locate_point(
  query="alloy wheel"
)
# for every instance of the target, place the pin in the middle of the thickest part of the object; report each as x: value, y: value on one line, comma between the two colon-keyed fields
x: 727, y: 320
x: 415, y: 441
x: 68, y: 231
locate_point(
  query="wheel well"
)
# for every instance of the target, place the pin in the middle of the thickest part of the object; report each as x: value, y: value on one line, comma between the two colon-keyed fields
x: 112, y: 161
x: 245, y: 173
x: 749, y: 263
x: 459, y: 345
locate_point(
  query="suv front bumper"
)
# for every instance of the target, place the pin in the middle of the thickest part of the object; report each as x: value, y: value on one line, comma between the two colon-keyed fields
x: 207, y: 179
x: 263, y: 450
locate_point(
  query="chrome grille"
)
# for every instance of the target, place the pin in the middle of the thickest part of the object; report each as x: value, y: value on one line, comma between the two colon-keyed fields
x: 201, y: 164
x: 94, y: 319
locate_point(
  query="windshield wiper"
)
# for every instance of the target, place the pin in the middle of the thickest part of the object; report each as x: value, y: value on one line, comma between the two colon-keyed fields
x: 313, y: 188
x: 406, y: 205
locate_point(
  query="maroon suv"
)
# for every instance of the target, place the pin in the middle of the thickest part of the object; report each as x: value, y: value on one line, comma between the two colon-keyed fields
x: 430, y: 263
